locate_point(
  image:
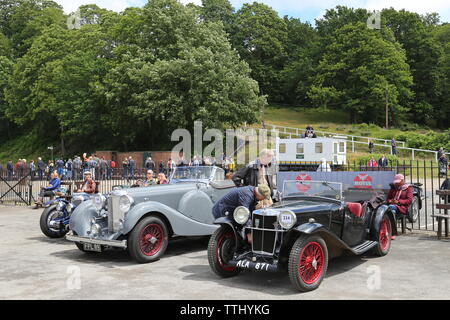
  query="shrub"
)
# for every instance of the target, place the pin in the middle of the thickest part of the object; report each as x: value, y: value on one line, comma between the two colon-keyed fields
x: 363, y: 160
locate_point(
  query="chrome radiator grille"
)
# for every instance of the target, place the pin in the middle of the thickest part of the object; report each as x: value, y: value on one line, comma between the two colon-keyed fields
x: 114, y: 213
x: 264, y: 234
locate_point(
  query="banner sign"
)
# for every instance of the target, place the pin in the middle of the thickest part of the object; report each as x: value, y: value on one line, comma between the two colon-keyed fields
x: 349, y: 179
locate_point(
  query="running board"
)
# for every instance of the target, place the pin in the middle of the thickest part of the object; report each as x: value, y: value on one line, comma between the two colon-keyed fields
x: 365, y: 246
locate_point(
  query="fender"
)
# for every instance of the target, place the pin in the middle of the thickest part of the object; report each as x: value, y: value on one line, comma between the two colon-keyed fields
x: 335, y: 245
x: 80, y: 219
x: 381, y: 210
x: 180, y: 224
x: 226, y: 221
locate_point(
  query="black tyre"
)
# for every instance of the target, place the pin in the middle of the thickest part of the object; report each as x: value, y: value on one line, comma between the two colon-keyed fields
x: 148, y: 241
x: 384, y: 237
x: 308, y: 262
x: 47, y: 216
x: 413, y: 212
x: 220, y: 250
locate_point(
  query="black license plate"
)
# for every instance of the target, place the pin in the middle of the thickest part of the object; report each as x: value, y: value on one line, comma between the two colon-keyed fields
x: 92, y: 247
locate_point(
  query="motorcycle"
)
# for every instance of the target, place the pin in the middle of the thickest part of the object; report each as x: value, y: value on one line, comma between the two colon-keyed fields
x: 55, y: 218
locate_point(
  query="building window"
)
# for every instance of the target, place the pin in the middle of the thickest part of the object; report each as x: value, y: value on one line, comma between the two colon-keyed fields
x: 342, y: 147
x: 282, y: 148
x: 300, y: 148
x: 319, y: 147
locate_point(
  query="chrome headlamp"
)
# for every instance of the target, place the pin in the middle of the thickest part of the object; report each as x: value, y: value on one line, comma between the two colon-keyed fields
x: 96, y: 229
x: 241, y: 215
x: 59, y: 206
x: 125, y: 203
x: 287, y: 219
x: 70, y: 207
x: 99, y: 202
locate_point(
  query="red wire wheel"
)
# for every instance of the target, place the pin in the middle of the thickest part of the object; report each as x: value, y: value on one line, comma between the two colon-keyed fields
x: 384, y: 237
x: 151, y: 239
x: 221, y: 248
x: 308, y: 262
x: 311, y: 262
x: 223, y: 251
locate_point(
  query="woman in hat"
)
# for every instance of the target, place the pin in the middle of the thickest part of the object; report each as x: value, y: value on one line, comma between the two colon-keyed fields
x: 400, y: 196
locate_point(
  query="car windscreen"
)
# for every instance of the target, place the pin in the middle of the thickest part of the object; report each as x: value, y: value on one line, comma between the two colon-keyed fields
x: 193, y: 173
x: 296, y: 188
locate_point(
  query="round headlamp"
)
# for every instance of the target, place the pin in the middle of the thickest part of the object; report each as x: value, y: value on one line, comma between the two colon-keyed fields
x: 241, y: 215
x: 287, y: 219
x: 59, y: 206
x: 70, y: 207
x: 99, y: 202
x: 125, y: 203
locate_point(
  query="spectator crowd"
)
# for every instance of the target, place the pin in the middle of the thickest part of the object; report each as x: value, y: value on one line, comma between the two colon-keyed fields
x: 103, y: 169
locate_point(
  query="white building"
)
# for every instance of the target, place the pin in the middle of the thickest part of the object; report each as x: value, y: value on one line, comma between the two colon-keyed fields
x: 306, y: 151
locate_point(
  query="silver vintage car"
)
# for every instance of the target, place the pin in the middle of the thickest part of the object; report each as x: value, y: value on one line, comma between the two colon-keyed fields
x: 143, y: 220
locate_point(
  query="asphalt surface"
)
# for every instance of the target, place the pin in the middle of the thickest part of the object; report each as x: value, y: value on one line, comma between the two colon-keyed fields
x: 35, y: 267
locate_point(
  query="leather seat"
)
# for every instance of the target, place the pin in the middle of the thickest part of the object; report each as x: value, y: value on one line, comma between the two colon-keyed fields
x: 355, y: 208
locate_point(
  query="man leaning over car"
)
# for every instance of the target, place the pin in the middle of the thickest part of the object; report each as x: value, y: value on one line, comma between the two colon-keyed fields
x: 247, y: 197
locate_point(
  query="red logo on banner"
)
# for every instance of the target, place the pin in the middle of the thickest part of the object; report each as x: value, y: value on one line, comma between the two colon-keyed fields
x: 363, y: 181
x: 303, y: 187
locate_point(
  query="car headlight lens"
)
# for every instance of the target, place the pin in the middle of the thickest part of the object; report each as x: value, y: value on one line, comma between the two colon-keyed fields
x: 241, y: 215
x: 125, y: 203
x: 59, y: 206
x: 287, y: 219
x: 99, y: 202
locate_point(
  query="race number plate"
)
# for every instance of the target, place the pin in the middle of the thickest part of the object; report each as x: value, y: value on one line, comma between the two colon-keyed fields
x: 92, y: 247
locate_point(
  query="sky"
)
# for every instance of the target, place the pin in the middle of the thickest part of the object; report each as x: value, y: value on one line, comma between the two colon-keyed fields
x: 306, y: 10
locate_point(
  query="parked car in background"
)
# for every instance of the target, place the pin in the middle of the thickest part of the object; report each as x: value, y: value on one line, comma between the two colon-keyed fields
x: 142, y: 220
x: 315, y: 221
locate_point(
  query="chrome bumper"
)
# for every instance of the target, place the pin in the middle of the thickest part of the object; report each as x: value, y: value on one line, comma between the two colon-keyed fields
x: 111, y: 243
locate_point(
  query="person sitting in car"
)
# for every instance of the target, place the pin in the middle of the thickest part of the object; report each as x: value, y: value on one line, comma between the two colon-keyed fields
x: 50, y: 190
x: 400, y: 196
x: 162, y: 178
x: 149, y: 180
x: 89, y: 185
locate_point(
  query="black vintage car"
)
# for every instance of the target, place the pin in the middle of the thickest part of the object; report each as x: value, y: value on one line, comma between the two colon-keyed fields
x: 313, y: 222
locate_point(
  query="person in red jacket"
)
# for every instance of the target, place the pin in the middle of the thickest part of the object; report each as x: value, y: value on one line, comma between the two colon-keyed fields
x: 400, y: 196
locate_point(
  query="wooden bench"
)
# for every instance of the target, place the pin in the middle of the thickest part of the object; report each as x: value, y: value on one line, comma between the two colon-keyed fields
x: 441, y: 217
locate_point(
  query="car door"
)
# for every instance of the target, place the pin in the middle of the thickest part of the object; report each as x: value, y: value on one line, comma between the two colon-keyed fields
x: 354, y: 227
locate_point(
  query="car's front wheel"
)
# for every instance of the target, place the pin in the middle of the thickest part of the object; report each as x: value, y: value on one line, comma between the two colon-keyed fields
x: 221, y: 250
x: 48, y: 216
x: 308, y: 262
x: 148, y: 241
x: 384, y: 237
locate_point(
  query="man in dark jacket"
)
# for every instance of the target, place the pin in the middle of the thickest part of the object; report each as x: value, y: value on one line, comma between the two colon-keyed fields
x: 257, y: 172
x: 245, y: 197
x: 10, y: 169
x: 41, y: 168
x: 383, y: 162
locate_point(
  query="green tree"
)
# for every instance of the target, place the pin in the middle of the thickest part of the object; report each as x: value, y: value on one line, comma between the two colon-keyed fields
x: 6, y: 66
x: 29, y: 19
x: 260, y: 38
x: 219, y: 11
x: 358, y: 69
x: 303, y: 52
x: 423, y: 54
x: 176, y: 72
